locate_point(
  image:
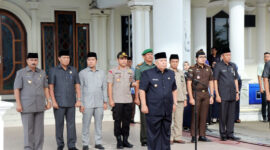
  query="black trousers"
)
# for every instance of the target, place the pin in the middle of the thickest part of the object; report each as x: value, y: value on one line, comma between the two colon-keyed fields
x: 158, y: 132
x: 122, y: 116
x: 60, y: 114
x: 226, y: 118
x: 265, y: 106
x: 237, y: 110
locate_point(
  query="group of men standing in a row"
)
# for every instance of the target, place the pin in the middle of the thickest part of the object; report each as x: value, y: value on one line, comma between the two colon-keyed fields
x: 161, y: 94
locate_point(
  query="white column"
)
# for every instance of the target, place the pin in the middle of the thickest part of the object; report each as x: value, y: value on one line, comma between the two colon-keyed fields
x: 94, y: 31
x: 249, y: 36
x: 236, y: 32
x: 261, y: 29
x: 4, y: 106
x: 112, y: 41
x: 187, y: 33
x: 198, y: 29
x: 34, y: 5
x: 140, y: 34
x: 102, y: 53
x: 168, y: 26
x: 140, y: 31
x: 98, y: 34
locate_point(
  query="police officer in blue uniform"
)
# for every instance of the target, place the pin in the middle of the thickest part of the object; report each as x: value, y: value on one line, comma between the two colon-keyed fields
x: 158, y: 100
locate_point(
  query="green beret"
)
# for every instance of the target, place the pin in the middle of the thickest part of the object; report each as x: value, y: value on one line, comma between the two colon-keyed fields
x: 147, y: 51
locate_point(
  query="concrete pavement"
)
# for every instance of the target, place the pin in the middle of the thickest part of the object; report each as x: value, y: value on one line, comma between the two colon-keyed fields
x: 13, y: 138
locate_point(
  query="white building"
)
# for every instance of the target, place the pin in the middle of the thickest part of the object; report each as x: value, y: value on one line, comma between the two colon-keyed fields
x: 109, y: 26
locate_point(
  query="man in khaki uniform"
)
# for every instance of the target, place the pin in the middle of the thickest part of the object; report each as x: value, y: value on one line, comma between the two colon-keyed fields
x: 30, y: 91
x: 177, y: 116
x: 120, y: 80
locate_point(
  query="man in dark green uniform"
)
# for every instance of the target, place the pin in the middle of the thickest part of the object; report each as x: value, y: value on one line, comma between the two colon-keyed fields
x: 147, y: 64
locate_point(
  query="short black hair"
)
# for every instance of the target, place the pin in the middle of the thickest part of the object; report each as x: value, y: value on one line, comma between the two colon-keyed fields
x: 266, y: 53
x: 129, y: 58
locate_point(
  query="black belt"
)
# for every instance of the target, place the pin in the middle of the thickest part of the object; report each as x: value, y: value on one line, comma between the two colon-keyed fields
x: 205, y: 90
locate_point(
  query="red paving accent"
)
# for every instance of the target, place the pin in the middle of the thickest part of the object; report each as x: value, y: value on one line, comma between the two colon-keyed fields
x: 235, y: 143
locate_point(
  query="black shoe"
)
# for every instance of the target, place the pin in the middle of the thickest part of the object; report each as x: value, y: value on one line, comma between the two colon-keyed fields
x: 144, y: 144
x: 234, y: 138
x: 223, y: 138
x: 126, y: 143
x: 193, y: 139
x: 119, y: 144
x: 132, y: 121
x: 60, y: 147
x: 85, y: 147
x: 99, y: 146
x: 204, y: 139
x: 73, y: 148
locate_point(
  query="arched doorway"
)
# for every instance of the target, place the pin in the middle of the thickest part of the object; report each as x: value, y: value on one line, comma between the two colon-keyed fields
x: 12, y: 49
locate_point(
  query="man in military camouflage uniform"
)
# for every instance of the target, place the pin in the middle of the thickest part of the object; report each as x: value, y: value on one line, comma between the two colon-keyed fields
x: 147, y: 64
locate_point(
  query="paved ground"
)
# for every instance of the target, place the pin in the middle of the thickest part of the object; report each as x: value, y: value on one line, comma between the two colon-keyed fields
x: 256, y: 131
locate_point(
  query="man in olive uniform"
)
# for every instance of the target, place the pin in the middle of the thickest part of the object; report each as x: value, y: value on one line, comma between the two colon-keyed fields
x: 202, y: 74
x: 64, y: 85
x: 177, y: 116
x: 140, y: 68
x: 158, y: 93
x: 30, y: 89
x: 120, y: 80
x: 227, y: 93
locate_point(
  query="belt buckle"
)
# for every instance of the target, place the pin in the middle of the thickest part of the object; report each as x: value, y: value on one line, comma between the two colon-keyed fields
x: 203, y: 91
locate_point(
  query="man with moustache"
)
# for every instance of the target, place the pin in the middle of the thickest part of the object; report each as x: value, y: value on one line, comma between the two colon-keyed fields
x: 30, y: 90
x: 227, y: 93
x: 94, y: 99
x: 140, y: 68
x: 120, y: 80
x: 64, y: 85
x: 158, y: 94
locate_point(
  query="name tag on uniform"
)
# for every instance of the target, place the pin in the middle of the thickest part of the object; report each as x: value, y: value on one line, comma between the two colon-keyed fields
x: 224, y: 70
x: 155, y: 79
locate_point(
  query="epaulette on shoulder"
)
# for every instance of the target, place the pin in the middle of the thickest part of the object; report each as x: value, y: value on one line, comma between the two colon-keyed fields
x: 191, y: 68
x: 138, y: 66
